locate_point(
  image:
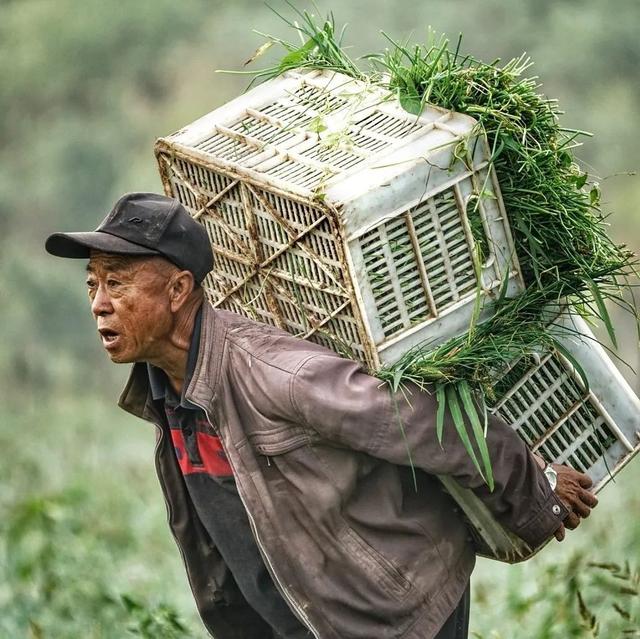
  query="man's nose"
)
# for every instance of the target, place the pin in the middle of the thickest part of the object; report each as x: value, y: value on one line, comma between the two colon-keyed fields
x: 101, y: 303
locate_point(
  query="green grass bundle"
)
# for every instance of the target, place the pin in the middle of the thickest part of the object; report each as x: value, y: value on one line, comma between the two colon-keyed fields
x: 553, y: 206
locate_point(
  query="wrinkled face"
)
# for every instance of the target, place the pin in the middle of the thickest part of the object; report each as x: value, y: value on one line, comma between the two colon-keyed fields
x: 130, y: 303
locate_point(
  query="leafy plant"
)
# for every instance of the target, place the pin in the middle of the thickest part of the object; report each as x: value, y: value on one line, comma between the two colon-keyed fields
x: 576, y: 598
x: 320, y: 47
x: 56, y: 570
x: 152, y: 622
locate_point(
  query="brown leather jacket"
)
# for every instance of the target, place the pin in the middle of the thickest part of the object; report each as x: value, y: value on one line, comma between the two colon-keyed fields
x: 320, y: 452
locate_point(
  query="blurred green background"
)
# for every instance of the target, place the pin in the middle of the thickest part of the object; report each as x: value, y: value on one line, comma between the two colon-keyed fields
x: 85, y: 88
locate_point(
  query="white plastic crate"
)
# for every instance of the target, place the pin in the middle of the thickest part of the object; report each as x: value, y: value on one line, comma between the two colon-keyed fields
x: 596, y: 430
x: 338, y: 216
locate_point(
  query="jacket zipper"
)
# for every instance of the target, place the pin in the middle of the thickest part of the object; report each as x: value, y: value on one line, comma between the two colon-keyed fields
x: 285, y: 593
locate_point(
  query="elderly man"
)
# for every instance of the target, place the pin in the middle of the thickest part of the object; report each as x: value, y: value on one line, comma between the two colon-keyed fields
x: 282, y: 464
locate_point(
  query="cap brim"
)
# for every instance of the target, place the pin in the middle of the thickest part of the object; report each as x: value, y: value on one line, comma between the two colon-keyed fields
x: 80, y: 245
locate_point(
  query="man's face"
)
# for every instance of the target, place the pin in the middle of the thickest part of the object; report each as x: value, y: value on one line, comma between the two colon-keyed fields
x: 130, y: 302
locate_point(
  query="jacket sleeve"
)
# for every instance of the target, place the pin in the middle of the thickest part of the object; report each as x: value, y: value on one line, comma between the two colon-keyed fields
x: 334, y: 397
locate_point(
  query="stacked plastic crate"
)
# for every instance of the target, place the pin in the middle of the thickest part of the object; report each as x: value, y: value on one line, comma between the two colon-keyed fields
x: 339, y: 217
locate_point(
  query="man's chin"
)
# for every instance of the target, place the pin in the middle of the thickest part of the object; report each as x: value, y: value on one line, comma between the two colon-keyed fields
x: 120, y: 358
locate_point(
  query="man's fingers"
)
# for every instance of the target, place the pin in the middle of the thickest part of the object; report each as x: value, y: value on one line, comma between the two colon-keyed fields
x: 589, y: 498
x: 581, y: 508
x: 559, y: 534
x: 583, y: 502
x: 573, y: 491
x: 571, y: 521
x: 584, y: 480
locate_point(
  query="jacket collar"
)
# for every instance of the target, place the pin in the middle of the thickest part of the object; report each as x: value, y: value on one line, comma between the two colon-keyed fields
x: 136, y: 397
x: 203, y: 384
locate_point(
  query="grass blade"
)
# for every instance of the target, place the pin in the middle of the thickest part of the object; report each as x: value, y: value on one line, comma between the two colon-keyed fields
x: 477, y: 302
x: 478, y: 431
x: 604, y: 313
x: 504, y: 286
x: 406, y: 441
x: 461, y: 428
x: 573, y: 361
x: 441, y: 398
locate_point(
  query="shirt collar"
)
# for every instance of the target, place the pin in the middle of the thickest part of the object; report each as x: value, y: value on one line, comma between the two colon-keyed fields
x: 158, y: 382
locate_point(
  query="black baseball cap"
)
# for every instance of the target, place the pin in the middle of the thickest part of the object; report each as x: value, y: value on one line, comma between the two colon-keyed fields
x: 143, y: 224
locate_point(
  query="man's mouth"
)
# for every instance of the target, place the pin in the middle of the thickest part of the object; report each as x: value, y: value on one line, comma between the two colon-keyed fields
x: 109, y: 337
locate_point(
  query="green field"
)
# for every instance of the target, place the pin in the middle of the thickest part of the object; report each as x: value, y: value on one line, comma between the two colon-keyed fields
x: 87, y: 552
x: 85, y: 88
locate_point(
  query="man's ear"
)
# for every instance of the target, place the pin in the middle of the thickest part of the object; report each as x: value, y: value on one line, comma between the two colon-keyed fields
x: 181, y: 286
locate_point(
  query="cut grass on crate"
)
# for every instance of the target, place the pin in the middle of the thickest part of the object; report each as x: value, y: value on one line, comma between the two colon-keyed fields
x: 553, y: 206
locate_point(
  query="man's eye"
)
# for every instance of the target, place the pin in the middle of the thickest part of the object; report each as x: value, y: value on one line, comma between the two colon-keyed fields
x: 112, y: 283
x: 91, y: 284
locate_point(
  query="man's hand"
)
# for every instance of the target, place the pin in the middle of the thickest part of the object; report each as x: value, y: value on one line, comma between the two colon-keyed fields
x: 573, y: 491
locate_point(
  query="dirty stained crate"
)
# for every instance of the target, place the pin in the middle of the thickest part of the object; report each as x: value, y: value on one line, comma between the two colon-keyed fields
x: 595, y: 428
x: 338, y: 216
